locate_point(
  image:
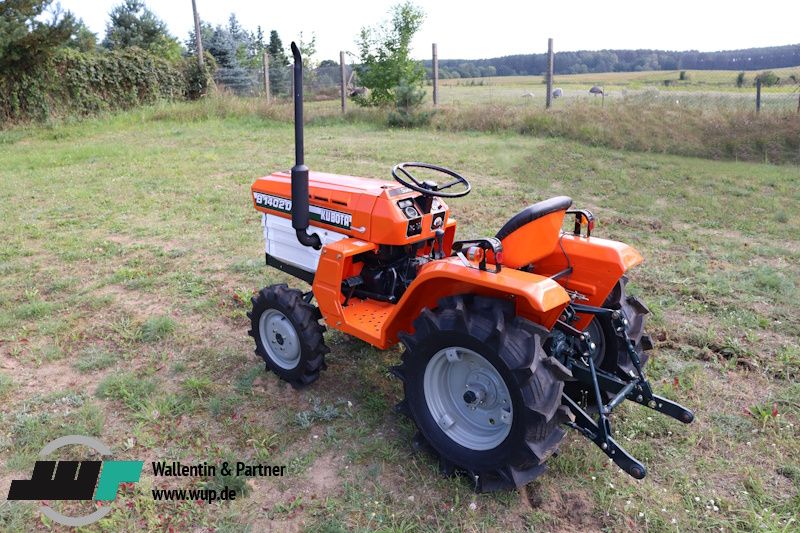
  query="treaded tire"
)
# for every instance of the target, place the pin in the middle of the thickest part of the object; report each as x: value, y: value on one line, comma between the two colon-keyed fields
x: 304, y: 319
x: 636, y: 314
x: 535, y: 382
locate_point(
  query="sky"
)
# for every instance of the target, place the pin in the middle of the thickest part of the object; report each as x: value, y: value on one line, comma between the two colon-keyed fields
x: 469, y: 29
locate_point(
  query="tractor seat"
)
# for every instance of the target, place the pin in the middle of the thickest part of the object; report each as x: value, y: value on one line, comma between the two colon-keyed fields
x: 533, y: 233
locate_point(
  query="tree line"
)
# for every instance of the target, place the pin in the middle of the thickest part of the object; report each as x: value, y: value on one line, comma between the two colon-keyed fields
x: 585, y: 61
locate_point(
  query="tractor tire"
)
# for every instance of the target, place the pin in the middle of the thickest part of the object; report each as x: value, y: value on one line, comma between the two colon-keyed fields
x: 617, y: 359
x: 483, y: 394
x: 288, y: 334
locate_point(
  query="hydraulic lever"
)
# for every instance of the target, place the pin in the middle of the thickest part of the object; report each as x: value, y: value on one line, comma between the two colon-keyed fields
x: 438, y: 249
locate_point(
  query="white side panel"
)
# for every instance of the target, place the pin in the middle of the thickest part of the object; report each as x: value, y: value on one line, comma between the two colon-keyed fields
x: 281, y: 242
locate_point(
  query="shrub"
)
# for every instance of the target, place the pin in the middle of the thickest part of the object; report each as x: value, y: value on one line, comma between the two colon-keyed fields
x: 407, y: 113
x: 740, y: 79
x: 77, y: 83
x: 199, y: 81
x: 768, y: 78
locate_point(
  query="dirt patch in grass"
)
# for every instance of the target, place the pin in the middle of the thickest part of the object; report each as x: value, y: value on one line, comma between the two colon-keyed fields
x: 57, y: 376
x: 137, y: 303
x: 324, y: 476
x: 568, y: 511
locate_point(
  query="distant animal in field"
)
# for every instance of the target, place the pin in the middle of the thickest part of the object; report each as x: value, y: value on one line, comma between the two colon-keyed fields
x: 558, y: 92
x: 527, y: 95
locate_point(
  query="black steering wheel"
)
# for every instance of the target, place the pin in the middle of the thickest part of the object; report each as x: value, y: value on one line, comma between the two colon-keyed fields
x: 431, y: 188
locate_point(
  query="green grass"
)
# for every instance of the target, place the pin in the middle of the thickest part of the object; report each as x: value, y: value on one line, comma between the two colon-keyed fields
x: 129, y: 245
x: 94, y: 359
x: 156, y: 328
x: 131, y: 390
x: 6, y: 384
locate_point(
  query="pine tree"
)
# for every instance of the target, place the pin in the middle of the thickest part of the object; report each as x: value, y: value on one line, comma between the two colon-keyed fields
x: 235, y: 29
x: 258, y: 42
x: 131, y: 23
x: 27, y: 39
x: 206, y: 31
x: 275, y: 48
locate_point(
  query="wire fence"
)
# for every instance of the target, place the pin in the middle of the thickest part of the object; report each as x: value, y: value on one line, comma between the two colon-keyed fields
x: 694, y: 89
x: 710, y: 90
x: 320, y: 83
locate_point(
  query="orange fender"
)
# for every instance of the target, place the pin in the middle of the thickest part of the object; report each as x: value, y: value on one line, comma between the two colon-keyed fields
x: 537, y: 298
x: 597, y: 264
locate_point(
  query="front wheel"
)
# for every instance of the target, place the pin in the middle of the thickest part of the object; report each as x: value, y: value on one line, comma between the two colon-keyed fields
x: 288, y: 334
x: 482, y: 392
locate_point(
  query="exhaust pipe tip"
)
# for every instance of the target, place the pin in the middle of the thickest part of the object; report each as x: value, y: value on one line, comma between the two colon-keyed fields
x: 296, y: 53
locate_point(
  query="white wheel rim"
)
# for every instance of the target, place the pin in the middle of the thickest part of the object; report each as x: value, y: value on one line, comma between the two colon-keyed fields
x: 279, y: 339
x: 468, y: 398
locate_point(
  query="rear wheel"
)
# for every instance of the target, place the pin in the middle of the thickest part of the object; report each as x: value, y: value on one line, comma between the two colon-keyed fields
x: 288, y: 334
x: 483, y: 394
x: 635, y: 312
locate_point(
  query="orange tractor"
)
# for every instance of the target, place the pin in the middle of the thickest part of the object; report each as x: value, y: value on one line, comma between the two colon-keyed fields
x: 509, y: 339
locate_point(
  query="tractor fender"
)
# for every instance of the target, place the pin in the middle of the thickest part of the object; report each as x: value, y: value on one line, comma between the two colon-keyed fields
x: 537, y: 298
x: 597, y: 265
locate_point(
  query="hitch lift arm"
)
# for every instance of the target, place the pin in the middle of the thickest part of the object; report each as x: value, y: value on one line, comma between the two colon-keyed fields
x: 637, y: 389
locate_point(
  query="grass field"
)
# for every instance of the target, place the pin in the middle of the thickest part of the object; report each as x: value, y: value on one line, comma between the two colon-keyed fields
x: 700, y: 89
x: 129, y: 249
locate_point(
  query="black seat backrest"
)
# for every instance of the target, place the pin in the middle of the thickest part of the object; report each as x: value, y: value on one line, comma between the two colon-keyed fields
x: 532, y: 212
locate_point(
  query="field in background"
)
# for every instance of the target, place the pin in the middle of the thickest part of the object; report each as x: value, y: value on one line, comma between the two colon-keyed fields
x: 703, y: 115
x: 709, y: 89
x: 129, y: 249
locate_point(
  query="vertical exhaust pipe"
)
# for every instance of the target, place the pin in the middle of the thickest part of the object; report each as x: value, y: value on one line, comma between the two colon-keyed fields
x: 300, y: 170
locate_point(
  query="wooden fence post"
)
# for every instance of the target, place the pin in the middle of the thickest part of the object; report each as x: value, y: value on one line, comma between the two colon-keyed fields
x: 758, y: 95
x: 435, y: 76
x: 549, y: 99
x: 198, y: 39
x: 266, y: 75
x: 343, y: 83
